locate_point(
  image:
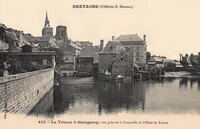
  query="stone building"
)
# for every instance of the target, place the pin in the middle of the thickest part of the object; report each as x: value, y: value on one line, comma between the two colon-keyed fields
x: 47, y: 31
x: 194, y: 59
x: 114, y: 59
x: 61, y: 33
x: 85, y: 44
x: 135, y: 46
x: 3, y: 46
x: 68, y: 61
x: 86, y: 60
x: 46, y: 40
x: 19, y: 54
x: 156, y: 62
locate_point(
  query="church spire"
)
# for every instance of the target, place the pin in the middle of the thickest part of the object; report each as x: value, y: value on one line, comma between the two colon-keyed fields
x: 46, y: 24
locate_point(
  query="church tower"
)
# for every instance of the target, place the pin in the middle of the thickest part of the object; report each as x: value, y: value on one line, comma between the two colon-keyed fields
x: 47, y: 31
x: 61, y: 33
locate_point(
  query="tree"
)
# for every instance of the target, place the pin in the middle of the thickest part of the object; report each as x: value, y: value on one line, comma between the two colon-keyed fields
x: 170, y: 66
x: 199, y: 58
x: 183, y: 60
x: 192, y: 58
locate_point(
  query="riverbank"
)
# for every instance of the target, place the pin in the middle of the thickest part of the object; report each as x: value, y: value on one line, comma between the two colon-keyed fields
x: 178, y: 74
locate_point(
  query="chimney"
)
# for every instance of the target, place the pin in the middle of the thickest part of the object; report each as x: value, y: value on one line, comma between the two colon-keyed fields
x: 101, y: 44
x: 113, y: 38
x: 144, y: 38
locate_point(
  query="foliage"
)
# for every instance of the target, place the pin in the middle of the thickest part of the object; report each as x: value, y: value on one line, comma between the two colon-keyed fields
x: 170, y: 66
x: 58, y: 55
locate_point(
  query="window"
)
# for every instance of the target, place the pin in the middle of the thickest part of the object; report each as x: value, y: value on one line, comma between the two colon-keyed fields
x: 122, y: 59
x: 137, y: 54
x: 17, y: 44
x: 34, y: 63
x: 44, y: 61
x: 138, y: 48
x: 18, y: 64
x: 137, y: 59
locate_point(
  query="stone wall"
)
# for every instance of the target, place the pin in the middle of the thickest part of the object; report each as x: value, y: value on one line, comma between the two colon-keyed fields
x: 121, y: 68
x: 67, y: 67
x: 139, y: 51
x: 45, y: 106
x: 21, y: 92
x: 84, y: 64
x: 106, y: 61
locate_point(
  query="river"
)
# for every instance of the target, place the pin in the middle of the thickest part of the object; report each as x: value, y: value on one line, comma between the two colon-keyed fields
x: 89, y: 96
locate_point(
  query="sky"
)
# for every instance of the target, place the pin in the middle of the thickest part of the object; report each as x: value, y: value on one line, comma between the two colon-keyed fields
x: 171, y: 26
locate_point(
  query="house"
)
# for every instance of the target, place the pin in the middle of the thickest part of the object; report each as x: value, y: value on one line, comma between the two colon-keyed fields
x: 27, y: 49
x: 46, y: 40
x: 86, y: 44
x: 87, y: 59
x: 135, y: 46
x: 114, y: 59
x: 68, y: 61
x: 3, y: 46
x: 12, y: 40
x: 156, y: 62
x: 178, y: 66
x: 194, y: 60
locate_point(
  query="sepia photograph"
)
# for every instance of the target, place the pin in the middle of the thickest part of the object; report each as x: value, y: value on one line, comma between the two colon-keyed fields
x: 99, y: 64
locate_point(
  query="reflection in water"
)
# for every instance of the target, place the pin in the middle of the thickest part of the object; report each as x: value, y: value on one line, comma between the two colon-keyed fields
x: 117, y: 96
x: 45, y: 106
x: 63, y: 96
x: 89, y: 96
x: 183, y: 82
x: 108, y: 97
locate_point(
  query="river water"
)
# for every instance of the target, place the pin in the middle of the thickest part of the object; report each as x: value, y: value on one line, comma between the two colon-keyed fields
x: 89, y: 96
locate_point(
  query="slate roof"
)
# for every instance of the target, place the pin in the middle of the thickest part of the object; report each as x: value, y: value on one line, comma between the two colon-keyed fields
x: 52, y: 43
x: 11, y: 35
x: 90, y: 52
x: 112, y: 47
x: 43, y: 41
x: 40, y: 39
x: 156, y: 59
x: 129, y: 37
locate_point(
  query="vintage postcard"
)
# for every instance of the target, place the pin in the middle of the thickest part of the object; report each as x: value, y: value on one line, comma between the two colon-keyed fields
x: 99, y: 64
